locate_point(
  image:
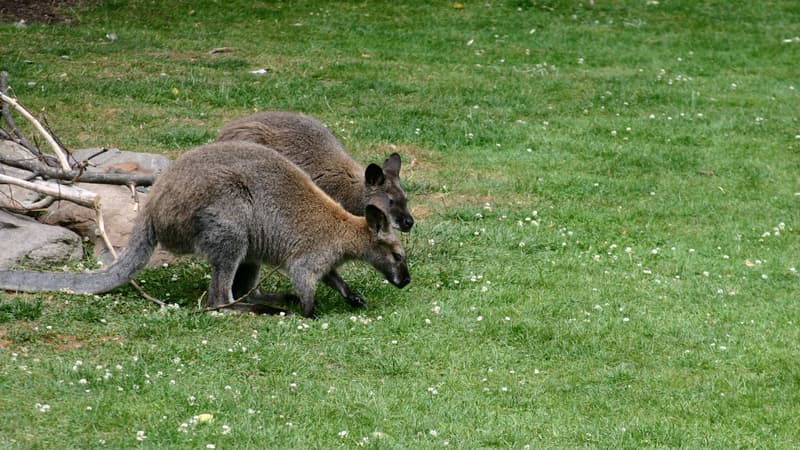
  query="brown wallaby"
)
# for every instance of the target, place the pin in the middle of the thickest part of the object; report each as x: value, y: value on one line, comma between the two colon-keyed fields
x: 238, y: 205
x: 306, y: 142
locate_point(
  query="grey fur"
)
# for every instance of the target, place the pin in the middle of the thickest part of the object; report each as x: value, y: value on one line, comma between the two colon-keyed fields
x: 239, y: 205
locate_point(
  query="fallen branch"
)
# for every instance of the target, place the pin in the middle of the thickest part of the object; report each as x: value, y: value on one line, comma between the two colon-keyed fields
x: 23, y: 208
x: 59, y: 152
x: 32, y: 165
x: 71, y: 193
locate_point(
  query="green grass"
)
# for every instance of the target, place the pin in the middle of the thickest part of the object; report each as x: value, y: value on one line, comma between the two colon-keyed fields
x: 605, y: 253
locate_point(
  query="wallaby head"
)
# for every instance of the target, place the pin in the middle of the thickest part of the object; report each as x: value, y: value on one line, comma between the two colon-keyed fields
x: 385, y: 252
x: 387, y: 180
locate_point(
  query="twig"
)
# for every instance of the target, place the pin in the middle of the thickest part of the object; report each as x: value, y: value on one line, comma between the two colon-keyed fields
x: 147, y: 296
x: 62, y: 159
x: 59, y: 144
x: 20, y: 207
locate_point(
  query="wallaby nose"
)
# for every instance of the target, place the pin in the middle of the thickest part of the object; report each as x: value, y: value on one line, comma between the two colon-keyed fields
x: 402, y: 282
x: 406, y: 223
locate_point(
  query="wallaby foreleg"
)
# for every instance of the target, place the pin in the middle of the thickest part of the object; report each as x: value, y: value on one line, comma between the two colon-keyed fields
x: 305, y: 284
x: 335, y: 281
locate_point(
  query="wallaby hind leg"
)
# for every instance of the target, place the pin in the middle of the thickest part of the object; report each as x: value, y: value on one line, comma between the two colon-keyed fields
x: 224, y: 247
x: 335, y: 281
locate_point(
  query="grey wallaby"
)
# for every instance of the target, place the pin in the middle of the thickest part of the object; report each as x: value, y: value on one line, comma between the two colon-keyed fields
x: 238, y: 205
x: 306, y: 142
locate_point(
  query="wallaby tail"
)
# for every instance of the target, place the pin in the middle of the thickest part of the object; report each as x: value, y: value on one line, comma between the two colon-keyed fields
x: 133, y: 259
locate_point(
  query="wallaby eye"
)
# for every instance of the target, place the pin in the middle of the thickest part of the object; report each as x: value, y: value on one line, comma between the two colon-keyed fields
x: 397, y: 257
x: 391, y: 202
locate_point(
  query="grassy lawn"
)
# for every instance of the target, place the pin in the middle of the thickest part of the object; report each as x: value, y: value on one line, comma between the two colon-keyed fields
x: 608, y: 228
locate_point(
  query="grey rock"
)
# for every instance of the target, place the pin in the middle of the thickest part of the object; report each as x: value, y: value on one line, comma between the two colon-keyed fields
x: 13, y: 197
x: 24, y: 240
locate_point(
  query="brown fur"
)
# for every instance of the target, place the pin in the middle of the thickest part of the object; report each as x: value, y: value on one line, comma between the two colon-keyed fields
x: 307, y: 143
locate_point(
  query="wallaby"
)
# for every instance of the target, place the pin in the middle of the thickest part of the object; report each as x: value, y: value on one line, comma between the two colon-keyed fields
x: 306, y: 142
x: 238, y: 205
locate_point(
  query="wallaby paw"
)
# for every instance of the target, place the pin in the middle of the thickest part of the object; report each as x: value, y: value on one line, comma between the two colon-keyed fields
x: 356, y: 301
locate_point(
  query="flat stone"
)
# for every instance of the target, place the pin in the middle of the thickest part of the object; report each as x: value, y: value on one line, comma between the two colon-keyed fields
x: 27, y: 241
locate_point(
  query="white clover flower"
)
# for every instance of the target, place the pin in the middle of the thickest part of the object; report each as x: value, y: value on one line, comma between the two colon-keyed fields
x: 43, y: 408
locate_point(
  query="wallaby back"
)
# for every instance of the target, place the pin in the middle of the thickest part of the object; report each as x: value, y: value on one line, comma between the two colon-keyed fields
x: 307, y: 143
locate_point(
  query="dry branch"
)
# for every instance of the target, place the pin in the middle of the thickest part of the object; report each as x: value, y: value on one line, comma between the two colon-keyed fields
x: 70, y: 193
x: 59, y: 152
x: 31, y: 165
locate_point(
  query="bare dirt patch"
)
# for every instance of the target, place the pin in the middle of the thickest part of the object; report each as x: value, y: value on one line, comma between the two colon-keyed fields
x: 41, y: 11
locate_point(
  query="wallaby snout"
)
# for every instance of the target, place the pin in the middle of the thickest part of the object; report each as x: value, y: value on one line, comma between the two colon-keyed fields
x: 402, y: 282
x: 397, y: 274
x: 405, y: 223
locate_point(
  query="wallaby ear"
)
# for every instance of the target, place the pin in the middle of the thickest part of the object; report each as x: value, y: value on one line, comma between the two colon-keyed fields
x: 374, y: 175
x: 376, y: 219
x: 392, y: 164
